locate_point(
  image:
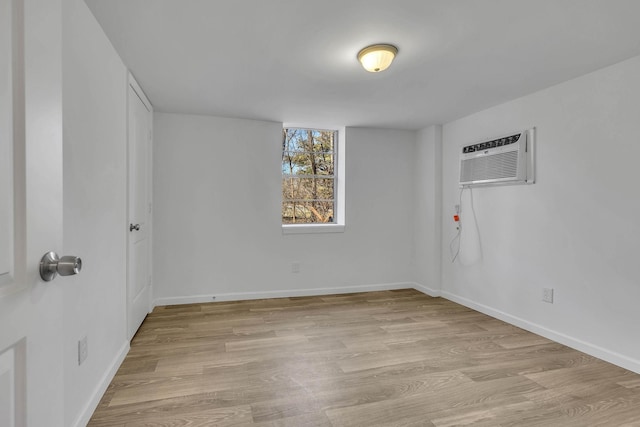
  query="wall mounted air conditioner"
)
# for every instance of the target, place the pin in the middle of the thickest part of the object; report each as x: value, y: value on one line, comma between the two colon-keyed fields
x: 508, y: 159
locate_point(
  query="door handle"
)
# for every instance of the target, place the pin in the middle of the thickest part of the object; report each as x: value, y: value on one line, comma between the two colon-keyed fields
x: 51, y: 265
x: 134, y: 227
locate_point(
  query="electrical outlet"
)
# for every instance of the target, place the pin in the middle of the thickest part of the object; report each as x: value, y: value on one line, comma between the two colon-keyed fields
x: 547, y: 295
x: 83, y: 350
x: 295, y: 267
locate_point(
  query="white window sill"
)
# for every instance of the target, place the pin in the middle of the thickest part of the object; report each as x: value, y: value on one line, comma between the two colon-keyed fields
x: 312, y: 228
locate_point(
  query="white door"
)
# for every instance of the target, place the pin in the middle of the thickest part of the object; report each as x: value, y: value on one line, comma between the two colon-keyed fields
x: 138, y: 275
x: 31, y: 352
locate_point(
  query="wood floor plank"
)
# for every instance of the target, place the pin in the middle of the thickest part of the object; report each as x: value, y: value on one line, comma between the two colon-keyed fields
x: 389, y: 358
x: 288, y: 341
x: 222, y: 417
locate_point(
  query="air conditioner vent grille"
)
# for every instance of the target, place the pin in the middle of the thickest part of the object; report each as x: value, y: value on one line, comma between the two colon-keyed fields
x: 497, y: 166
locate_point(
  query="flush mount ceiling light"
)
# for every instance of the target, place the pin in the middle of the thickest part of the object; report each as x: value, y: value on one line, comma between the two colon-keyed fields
x: 377, y: 57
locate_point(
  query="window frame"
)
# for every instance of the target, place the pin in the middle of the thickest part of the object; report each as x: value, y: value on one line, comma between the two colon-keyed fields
x: 338, y: 224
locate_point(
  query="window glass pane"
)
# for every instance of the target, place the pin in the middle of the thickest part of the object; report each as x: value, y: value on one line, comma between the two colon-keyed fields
x: 296, y: 163
x: 295, y: 188
x: 307, y: 212
x: 308, y: 140
x: 322, y: 142
x: 324, y: 188
x: 307, y: 163
x: 322, y: 163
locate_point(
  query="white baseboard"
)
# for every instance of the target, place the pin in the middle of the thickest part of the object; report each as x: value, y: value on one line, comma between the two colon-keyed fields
x: 426, y: 290
x: 98, y: 392
x: 585, y: 347
x: 285, y: 293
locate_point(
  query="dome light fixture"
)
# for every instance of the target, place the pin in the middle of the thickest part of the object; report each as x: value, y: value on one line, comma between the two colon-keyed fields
x: 377, y: 57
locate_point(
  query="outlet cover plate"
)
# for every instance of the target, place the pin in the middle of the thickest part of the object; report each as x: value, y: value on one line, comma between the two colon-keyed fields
x: 83, y: 350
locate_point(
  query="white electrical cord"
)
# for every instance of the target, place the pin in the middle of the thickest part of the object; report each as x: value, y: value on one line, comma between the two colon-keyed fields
x: 458, y: 237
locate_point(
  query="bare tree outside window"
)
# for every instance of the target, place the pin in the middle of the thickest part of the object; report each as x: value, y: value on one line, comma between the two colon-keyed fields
x: 308, y: 176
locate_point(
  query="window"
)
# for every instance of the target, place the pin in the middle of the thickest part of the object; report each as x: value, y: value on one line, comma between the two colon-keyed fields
x: 309, y: 176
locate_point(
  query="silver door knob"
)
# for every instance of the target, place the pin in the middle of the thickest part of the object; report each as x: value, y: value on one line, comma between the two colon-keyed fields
x: 134, y: 227
x: 51, y: 265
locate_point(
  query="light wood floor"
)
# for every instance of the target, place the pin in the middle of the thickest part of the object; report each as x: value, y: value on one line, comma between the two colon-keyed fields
x: 395, y: 358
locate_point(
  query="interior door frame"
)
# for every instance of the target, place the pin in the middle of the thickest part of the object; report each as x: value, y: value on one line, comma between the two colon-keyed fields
x: 132, y: 84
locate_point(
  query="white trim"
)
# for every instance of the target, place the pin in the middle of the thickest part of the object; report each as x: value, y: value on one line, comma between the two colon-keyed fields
x: 575, y: 343
x: 138, y: 90
x: 312, y: 228
x: 285, y: 293
x: 436, y: 293
x: 101, y: 388
x: 340, y: 171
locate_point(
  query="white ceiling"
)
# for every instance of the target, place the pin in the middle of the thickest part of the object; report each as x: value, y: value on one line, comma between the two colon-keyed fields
x: 295, y: 60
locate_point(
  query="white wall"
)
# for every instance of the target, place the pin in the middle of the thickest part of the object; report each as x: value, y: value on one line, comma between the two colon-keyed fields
x: 427, y: 230
x: 576, y: 230
x: 217, y: 226
x: 95, y: 174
